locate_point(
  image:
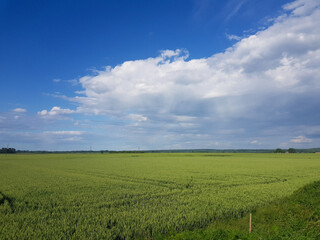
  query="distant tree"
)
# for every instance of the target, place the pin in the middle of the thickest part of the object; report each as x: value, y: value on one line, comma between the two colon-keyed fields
x: 8, y: 150
x: 292, y: 150
x: 279, y: 150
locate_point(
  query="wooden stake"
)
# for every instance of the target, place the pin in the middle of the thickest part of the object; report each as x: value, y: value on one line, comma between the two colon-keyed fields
x: 250, y: 221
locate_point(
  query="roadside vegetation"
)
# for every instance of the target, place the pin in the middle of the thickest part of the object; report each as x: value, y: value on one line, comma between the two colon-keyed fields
x: 293, y: 217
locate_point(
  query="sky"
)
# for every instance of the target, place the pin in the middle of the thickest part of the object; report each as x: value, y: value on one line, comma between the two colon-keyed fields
x: 161, y: 74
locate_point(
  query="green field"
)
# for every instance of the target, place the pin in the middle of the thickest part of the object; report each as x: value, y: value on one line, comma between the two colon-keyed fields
x: 130, y: 196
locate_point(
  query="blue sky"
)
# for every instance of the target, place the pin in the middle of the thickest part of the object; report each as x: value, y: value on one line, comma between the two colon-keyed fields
x: 159, y: 74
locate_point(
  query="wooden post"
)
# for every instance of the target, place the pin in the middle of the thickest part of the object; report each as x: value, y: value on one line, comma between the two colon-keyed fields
x: 250, y: 221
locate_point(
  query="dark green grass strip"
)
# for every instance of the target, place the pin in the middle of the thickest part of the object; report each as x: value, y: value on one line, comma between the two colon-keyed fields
x: 294, y: 217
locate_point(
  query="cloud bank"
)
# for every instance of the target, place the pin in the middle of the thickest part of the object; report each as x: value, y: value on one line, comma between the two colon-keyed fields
x: 266, y: 86
x: 281, y: 60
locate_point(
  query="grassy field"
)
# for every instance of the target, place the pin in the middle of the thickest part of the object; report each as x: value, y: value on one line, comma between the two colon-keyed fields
x: 130, y: 196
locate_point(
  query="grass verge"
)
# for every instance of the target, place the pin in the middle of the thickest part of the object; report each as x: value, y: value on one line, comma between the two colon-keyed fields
x: 294, y: 217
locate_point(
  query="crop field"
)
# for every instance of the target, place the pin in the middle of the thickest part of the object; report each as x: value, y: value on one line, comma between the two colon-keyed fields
x: 139, y: 196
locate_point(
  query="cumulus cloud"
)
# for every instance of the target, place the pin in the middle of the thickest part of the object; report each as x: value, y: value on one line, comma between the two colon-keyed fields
x: 301, y: 139
x: 264, y: 81
x: 19, y: 110
x: 280, y: 60
x: 55, y: 112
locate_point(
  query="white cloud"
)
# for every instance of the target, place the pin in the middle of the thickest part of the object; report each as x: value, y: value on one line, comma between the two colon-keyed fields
x: 233, y: 37
x: 302, y: 7
x: 301, y: 139
x: 55, y: 112
x: 137, y: 117
x: 19, y: 110
x: 179, y: 54
x: 280, y: 60
x: 184, y: 118
x: 44, y: 140
x: 62, y: 136
x: 263, y: 87
x: 64, y: 132
x: 56, y: 80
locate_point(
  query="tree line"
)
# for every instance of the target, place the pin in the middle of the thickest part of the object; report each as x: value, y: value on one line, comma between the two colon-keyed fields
x: 290, y: 150
x: 8, y: 150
